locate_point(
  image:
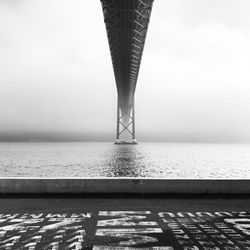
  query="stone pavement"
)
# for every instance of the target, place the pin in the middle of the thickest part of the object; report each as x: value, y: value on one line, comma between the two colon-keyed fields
x: 124, y: 223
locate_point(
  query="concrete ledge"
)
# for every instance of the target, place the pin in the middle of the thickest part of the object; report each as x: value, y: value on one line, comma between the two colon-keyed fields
x: 123, y: 185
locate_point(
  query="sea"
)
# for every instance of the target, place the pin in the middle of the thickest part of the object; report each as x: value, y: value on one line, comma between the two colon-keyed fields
x: 105, y: 160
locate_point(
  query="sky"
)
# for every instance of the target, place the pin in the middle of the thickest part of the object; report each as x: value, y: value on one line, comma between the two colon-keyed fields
x: 56, y: 76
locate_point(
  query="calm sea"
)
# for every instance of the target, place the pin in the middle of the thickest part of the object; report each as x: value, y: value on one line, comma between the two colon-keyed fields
x: 156, y: 160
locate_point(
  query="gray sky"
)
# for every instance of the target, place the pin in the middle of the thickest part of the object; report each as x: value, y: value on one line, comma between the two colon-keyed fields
x: 194, y: 83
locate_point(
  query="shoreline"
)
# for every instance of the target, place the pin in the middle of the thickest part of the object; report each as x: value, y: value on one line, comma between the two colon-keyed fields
x: 123, y: 185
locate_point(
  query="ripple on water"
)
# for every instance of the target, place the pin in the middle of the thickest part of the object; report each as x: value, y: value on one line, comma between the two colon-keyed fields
x: 152, y: 160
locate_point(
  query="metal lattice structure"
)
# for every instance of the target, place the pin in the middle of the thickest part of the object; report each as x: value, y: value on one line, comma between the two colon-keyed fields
x: 126, y: 24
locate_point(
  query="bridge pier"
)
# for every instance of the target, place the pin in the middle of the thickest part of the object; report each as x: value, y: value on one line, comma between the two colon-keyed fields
x: 125, y: 123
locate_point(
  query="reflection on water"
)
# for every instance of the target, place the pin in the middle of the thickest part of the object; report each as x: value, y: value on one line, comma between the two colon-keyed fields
x: 124, y: 161
x: 153, y: 160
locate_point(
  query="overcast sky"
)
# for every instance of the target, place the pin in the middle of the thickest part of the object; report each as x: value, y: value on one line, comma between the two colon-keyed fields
x: 194, y: 83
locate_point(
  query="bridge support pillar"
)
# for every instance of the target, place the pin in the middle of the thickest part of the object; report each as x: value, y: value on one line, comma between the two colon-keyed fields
x: 125, y: 123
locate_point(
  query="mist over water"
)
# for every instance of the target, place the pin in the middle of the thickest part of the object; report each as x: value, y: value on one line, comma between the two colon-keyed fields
x: 151, y: 160
x: 193, y: 83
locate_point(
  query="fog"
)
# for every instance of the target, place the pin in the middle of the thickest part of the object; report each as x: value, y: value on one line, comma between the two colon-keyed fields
x: 57, y: 82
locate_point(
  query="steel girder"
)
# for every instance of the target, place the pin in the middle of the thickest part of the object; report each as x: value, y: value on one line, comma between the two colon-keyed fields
x: 126, y: 24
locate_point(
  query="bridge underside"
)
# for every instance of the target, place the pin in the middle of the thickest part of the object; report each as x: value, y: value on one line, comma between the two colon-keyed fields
x: 126, y: 24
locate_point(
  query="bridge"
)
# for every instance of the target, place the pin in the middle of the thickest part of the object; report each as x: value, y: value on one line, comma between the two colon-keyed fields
x: 126, y: 24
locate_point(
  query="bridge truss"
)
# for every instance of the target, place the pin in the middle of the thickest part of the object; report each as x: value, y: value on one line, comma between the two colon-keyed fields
x: 126, y: 24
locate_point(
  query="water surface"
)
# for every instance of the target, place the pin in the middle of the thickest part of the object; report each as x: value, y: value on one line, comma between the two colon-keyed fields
x: 152, y: 160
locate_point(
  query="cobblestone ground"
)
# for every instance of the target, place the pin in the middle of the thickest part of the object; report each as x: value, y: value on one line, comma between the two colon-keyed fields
x: 57, y: 223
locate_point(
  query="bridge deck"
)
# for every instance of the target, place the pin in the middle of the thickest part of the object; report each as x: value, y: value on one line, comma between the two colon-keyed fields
x: 126, y: 24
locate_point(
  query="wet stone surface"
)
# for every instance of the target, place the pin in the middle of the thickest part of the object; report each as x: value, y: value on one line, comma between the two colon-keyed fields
x: 113, y: 229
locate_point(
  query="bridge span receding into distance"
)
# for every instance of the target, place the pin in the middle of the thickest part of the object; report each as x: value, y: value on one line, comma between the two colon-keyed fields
x: 126, y: 24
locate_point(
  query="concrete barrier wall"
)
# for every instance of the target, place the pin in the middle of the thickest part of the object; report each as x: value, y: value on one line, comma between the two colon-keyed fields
x: 123, y: 185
